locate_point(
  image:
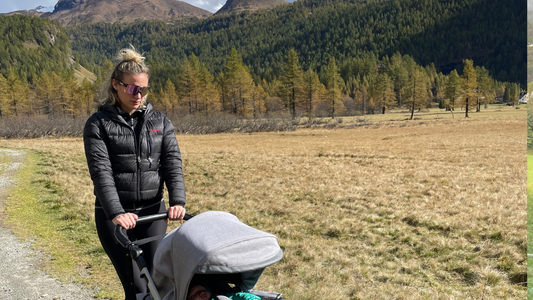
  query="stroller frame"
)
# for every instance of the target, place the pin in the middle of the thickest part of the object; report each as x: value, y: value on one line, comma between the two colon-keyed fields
x: 136, y: 253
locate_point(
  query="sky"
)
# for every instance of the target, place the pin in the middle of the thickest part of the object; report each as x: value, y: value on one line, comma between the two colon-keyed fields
x: 12, y: 5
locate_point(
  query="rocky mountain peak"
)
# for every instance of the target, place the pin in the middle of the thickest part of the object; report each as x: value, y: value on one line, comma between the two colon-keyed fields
x: 249, y: 5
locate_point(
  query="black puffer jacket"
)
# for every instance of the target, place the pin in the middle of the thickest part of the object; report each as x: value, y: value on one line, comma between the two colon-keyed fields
x: 128, y: 173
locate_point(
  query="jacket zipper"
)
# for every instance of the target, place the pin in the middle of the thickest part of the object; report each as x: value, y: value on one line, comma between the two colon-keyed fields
x: 137, y: 144
x: 149, y: 144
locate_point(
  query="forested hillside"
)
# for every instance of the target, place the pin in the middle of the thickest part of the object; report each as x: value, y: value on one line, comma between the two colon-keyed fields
x: 444, y: 33
x: 530, y: 49
x: 310, y: 58
x: 30, y: 46
x: 36, y: 71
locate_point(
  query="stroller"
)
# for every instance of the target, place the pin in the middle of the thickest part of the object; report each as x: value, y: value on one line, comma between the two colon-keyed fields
x: 214, y: 247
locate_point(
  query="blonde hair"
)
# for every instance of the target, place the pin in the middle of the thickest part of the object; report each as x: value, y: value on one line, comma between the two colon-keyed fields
x: 129, y: 62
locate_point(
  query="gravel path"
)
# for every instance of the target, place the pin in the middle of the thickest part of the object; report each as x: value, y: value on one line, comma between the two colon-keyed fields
x: 20, y: 277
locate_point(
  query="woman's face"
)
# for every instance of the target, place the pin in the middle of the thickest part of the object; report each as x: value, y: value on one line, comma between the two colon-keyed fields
x: 130, y: 103
x: 199, y: 292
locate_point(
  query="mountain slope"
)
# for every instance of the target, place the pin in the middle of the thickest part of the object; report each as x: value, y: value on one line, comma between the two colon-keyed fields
x: 30, y: 46
x: 30, y: 12
x: 249, y: 5
x: 72, y: 12
x: 434, y: 31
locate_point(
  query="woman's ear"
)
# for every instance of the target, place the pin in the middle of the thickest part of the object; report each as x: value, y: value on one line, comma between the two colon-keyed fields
x: 114, y: 84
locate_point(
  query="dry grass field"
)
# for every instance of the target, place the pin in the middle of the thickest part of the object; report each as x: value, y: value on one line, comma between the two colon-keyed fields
x: 423, y: 209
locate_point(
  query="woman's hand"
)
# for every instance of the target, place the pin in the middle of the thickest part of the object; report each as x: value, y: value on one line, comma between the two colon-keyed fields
x: 176, y: 213
x: 127, y: 220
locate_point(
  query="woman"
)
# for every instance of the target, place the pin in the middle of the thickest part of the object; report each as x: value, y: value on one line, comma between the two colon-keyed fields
x: 131, y: 151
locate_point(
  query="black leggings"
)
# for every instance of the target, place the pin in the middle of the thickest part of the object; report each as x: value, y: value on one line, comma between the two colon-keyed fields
x: 126, y: 268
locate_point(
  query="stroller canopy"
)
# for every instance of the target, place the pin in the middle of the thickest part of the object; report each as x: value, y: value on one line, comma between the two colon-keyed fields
x: 212, y: 243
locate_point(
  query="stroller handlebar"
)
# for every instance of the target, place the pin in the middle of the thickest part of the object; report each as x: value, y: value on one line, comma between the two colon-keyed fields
x: 157, y: 217
x: 122, y: 237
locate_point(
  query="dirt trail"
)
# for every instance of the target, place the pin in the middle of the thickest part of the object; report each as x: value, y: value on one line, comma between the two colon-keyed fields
x: 20, y: 276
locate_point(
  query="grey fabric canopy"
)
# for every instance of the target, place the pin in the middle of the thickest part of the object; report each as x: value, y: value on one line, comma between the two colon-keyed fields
x: 212, y: 243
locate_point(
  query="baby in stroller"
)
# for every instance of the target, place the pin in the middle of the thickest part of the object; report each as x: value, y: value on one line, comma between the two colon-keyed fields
x: 198, y: 290
x: 216, y: 251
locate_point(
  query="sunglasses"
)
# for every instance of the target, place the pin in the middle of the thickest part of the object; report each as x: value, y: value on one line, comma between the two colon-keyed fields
x: 135, y: 89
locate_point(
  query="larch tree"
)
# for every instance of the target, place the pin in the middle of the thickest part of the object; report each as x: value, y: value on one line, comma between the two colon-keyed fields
x: 364, y: 89
x: 513, y: 91
x: 292, y: 79
x: 382, y: 92
x: 210, y: 98
x: 189, y: 84
x: 310, y: 91
x: 168, y: 99
x: 485, y: 88
x: 440, y: 89
x: 67, y: 98
x: 399, y: 74
x: 4, y: 100
x: 453, y: 90
x: 417, y: 93
x: 47, y: 93
x: 238, y: 85
x: 258, y: 98
x: 86, y: 95
x: 468, y: 85
x: 334, y: 86
x: 16, y: 96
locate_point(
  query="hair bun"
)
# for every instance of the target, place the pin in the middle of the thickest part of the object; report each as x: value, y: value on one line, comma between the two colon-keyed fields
x: 130, y: 55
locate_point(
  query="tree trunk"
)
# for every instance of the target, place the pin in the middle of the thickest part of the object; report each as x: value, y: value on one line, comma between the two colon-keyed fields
x: 413, y: 110
x: 363, y: 108
x: 293, y: 104
x: 466, y: 108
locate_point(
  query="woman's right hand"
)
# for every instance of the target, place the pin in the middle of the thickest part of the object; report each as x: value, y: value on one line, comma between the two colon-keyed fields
x: 127, y: 220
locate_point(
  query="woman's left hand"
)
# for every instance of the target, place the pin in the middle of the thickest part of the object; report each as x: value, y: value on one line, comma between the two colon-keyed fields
x: 176, y: 213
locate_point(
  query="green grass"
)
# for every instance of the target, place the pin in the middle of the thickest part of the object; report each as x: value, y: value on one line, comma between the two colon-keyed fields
x: 530, y: 224
x: 37, y: 211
